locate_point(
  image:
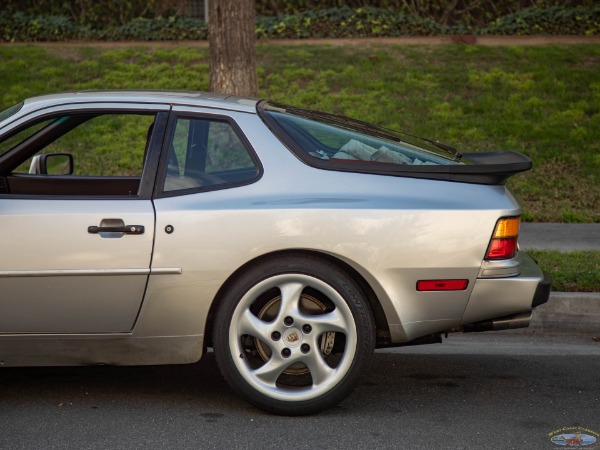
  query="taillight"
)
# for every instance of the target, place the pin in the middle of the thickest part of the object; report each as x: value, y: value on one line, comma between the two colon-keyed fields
x: 503, y: 244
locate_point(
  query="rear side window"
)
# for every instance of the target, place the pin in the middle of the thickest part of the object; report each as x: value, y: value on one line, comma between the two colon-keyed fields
x: 205, y: 153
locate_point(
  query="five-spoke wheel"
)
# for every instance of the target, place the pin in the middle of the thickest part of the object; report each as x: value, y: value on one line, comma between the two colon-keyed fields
x: 293, y: 335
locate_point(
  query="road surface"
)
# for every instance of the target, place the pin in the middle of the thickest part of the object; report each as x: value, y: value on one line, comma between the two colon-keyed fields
x: 474, y: 391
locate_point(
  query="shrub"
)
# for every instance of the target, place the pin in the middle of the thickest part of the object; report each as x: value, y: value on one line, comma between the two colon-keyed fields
x: 467, y: 13
x: 325, y: 23
x: 97, y: 14
x: 23, y: 27
x: 159, y: 29
x: 346, y: 22
x: 553, y: 20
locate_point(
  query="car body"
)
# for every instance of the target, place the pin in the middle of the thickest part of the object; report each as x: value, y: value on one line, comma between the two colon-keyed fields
x: 143, y: 227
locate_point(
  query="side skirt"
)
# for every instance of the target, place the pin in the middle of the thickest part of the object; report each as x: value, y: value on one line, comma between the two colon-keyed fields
x: 82, y: 350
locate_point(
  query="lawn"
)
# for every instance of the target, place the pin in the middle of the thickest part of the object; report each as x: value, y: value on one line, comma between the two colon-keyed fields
x: 571, y: 271
x: 543, y: 101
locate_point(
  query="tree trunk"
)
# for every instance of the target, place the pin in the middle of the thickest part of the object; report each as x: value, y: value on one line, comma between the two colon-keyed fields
x: 232, y: 39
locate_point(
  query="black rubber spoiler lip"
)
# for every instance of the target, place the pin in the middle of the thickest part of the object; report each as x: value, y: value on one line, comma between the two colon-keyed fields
x: 497, y: 166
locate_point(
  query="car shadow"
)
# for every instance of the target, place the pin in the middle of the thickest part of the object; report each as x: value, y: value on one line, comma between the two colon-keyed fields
x: 396, y: 383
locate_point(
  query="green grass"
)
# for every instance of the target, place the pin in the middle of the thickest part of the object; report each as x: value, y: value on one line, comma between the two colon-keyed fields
x: 571, y: 271
x: 543, y: 101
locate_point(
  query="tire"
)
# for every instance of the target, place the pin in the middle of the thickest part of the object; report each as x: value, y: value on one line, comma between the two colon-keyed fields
x: 293, y: 335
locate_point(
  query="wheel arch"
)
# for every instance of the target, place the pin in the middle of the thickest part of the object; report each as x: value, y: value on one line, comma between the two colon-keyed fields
x: 381, y: 323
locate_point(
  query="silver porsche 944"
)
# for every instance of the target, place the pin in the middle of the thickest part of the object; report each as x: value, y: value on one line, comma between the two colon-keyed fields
x: 149, y: 227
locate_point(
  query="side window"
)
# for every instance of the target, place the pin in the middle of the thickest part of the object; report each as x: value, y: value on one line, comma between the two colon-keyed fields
x: 106, y: 145
x: 225, y: 151
x: 205, y: 153
x: 79, y: 154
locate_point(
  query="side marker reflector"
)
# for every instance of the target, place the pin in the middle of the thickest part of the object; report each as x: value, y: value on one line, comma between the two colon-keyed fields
x: 442, y: 285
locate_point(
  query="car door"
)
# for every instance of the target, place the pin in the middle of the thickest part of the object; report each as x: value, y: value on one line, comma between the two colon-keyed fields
x: 76, y: 217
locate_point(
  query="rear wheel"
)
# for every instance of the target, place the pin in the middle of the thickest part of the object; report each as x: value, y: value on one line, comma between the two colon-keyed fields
x: 294, y: 335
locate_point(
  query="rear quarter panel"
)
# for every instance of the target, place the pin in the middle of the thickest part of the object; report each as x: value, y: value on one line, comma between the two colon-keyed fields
x: 392, y: 230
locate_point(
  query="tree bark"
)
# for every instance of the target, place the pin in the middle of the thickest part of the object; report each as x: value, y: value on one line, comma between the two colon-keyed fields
x: 232, y: 40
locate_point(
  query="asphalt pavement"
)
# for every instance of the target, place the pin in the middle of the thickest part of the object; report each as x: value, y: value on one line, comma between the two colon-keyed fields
x: 565, y: 312
x: 565, y: 237
x: 474, y: 391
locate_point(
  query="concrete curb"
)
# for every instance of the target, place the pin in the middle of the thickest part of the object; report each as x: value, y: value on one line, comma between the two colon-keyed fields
x: 565, y: 312
x: 568, y: 313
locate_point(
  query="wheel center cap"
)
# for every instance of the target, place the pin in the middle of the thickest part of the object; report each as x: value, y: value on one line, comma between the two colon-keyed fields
x: 292, y: 337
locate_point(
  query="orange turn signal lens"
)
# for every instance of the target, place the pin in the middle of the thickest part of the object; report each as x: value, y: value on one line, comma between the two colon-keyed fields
x: 507, y: 228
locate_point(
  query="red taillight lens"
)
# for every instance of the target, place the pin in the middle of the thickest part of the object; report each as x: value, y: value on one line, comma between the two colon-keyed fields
x: 502, y: 249
x: 503, y: 244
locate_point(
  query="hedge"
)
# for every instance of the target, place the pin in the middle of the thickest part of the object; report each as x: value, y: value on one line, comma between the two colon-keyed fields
x: 102, y: 14
x: 326, y: 23
x: 553, y: 20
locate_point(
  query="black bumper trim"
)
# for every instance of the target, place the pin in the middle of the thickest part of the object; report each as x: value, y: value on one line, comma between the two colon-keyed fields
x: 542, y: 292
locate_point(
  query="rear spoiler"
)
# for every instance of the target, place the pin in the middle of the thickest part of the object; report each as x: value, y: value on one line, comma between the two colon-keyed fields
x: 492, y: 168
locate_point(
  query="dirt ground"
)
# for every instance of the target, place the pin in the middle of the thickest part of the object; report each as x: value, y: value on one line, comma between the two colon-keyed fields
x: 437, y: 40
x: 408, y: 40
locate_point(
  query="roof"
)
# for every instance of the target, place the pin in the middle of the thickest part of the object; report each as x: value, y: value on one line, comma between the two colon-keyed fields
x: 187, y: 98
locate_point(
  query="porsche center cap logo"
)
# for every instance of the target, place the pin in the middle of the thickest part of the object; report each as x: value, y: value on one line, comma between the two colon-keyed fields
x: 292, y: 337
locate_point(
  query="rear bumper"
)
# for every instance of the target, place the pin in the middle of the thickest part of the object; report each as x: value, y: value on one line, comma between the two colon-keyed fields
x: 542, y: 293
x: 497, y: 298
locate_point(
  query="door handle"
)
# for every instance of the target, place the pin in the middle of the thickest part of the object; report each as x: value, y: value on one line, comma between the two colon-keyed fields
x: 114, y: 228
x: 125, y: 229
